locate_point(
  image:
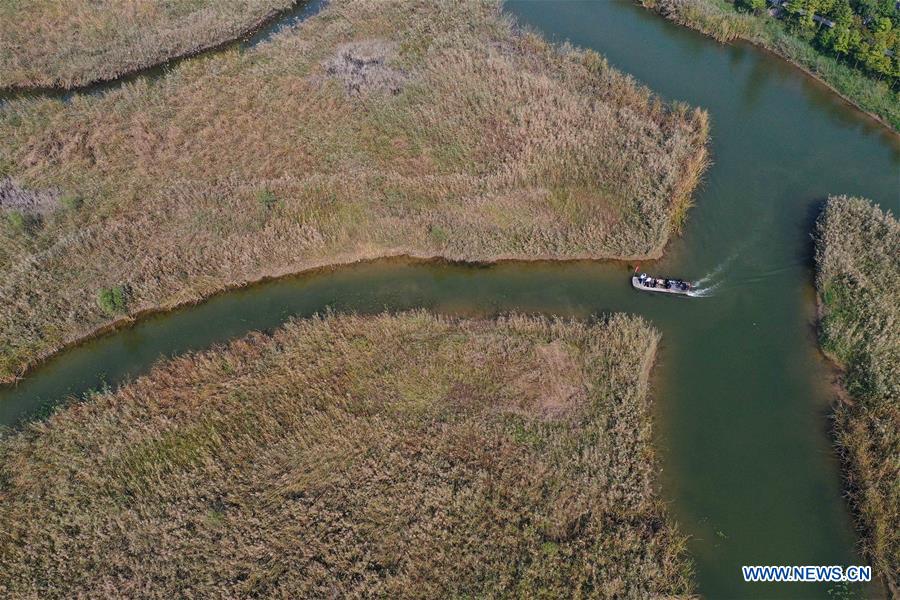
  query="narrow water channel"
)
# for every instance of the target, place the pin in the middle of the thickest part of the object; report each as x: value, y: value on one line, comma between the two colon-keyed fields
x: 299, y: 12
x: 743, y: 397
x: 741, y: 390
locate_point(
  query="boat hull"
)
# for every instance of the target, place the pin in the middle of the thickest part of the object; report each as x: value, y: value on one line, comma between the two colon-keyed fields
x: 636, y: 284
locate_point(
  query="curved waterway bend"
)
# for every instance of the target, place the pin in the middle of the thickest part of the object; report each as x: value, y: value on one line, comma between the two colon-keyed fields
x: 741, y: 390
x: 299, y: 12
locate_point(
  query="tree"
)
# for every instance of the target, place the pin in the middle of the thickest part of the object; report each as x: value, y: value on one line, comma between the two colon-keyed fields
x: 895, y: 60
x: 840, y: 38
x: 883, y: 38
x: 756, y: 6
x: 801, y: 13
x: 826, y: 8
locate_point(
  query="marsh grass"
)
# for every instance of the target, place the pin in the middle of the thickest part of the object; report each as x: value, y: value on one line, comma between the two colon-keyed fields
x: 716, y: 18
x: 387, y: 456
x: 113, y: 300
x: 722, y: 21
x: 448, y: 133
x: 858, y: 283
x: 47, y: 43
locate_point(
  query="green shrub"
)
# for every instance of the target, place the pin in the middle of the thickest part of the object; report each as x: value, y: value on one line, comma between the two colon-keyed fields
x: 71, y: 202
x: 438, y: 234
x: 16, y: 220
x: 22, y: 222
x: 113, y: 300
x: 266, y: 199
x: 757, y: 6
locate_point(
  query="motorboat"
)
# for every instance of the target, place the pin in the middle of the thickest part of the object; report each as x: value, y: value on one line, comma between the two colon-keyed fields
x: 663, y: 285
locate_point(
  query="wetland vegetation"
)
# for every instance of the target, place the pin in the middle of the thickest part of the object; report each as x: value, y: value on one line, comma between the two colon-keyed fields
x: 859, y: 58
x: 858, y: 278
x: 372, y: 129
x: 45, y: 43
x: 371, y: 132
x: 404, y: 456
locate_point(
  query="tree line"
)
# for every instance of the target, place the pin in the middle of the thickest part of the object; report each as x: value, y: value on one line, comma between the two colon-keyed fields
x: 865, y: 33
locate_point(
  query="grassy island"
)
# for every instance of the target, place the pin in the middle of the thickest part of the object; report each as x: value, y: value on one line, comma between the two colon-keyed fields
x: 47, y: 43
x: 858, y: 279
x: 372, y: 129
x: 853, y: 58
x: 396, y: 456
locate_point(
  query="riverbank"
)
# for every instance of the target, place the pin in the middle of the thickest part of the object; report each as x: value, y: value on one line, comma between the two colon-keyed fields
x: 439, y: 437
x: 53, y: 45
x: 857, y: 279
x: 720, y: 20
x: 361, y: 133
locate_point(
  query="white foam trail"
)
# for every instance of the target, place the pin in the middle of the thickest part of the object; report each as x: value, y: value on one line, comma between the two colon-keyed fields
x: 708, y: 276
x: 717, y: 270
x: 704, y: 292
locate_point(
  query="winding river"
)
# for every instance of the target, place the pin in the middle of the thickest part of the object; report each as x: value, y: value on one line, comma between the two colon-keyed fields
x: 742, y: 392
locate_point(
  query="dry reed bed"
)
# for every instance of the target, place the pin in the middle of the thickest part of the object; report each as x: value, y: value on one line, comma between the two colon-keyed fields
x: 715, y: 18
x: 373, y: 129
x: 47, y: 43
x: 388, y: 456
x: 858, y: 282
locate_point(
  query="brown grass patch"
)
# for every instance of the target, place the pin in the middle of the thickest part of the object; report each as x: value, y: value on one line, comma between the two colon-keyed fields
x: 858, y: 278
x: 363, y: 67
x: 349, y: 456
x: 46, y: 43
x: 552, y: 389
x: 248, y: 164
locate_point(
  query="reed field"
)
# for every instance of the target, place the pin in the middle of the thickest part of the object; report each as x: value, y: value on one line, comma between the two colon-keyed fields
x: 375, y: 128
x: 719, y: 19
x: 388, y: 456
x: 47, y: 43
x: 858, y: 278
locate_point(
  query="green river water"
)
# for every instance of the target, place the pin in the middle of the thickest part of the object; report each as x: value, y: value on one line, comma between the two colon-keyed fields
x: 741, y: 391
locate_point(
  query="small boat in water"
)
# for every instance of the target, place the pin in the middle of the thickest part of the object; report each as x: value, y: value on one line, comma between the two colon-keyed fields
x: 665, y: 286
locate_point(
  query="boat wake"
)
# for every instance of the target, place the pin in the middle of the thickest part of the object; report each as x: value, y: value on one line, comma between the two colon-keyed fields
x: 717, y: 270
x: 709, y: 276
x: 707, y: 285
x: 704, y: 292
